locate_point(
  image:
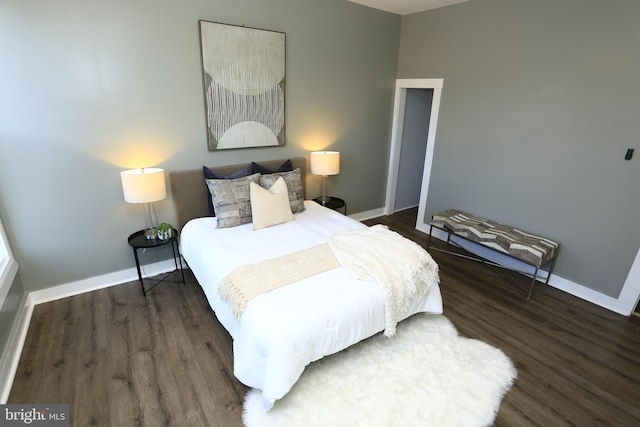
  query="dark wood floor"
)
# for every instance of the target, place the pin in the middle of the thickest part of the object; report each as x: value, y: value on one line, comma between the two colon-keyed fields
x: 119, y: 359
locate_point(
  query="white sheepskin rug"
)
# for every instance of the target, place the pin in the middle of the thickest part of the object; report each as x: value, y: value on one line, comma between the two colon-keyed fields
x: 426, y: 375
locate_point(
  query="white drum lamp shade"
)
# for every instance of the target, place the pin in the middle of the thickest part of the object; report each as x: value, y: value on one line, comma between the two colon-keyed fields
x: 145, y: 185
x: 325, y: 163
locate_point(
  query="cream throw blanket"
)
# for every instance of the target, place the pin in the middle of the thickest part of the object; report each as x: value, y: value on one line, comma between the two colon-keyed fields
x: 247, y: 282
x: 402, y: 268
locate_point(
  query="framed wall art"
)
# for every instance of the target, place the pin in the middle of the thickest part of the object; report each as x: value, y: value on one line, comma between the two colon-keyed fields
x: 243, y: 72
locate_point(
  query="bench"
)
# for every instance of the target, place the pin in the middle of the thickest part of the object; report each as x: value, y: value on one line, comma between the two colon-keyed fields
x: 536, y: 251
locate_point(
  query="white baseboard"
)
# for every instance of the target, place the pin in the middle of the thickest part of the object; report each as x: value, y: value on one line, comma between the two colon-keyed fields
x: 362, y: 216
x: 403, y: 208
x: 99, y: 282
x: 617, y: 305
x: 13, y: 350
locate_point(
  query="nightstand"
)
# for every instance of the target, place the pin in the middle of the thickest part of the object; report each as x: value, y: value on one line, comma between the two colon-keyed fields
x: 138, y: 241
x: 334, y: 203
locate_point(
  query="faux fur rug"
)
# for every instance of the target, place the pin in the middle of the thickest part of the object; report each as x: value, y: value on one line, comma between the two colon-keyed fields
x: 426, y: 375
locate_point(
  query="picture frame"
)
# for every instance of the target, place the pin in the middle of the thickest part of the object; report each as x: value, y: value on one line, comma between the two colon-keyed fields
x: 243, y: 73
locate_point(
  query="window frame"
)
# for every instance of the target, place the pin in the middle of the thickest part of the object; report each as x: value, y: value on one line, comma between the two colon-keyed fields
x: 8, y: 265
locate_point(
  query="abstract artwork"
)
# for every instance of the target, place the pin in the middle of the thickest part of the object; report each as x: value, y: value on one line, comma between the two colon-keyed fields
x: 243, y: 71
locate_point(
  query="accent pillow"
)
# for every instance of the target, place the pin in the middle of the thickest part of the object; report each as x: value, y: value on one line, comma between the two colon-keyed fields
x: 287, y: 166
x: 211, y: 174
x: 270, y: 207
x: 231, y: 199
x: 293, y: 180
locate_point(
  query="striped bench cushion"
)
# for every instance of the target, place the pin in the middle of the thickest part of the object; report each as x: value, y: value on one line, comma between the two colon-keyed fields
x: 519, y: 244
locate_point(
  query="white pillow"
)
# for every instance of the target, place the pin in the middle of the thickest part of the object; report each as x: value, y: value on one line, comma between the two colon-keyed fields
x: 270, y: 207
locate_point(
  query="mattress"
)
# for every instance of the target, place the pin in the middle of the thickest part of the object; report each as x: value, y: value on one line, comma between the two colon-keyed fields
x: 284, y: 330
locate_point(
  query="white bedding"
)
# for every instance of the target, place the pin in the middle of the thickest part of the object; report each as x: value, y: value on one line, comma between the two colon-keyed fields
x: 282, y: 331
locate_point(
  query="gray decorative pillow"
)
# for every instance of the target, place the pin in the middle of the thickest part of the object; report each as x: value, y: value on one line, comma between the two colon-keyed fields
x: 232, y: 199
x: 211, y: 174
x: 293, y: 180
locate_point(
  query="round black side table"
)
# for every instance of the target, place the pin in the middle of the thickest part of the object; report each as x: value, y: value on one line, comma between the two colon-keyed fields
x: 138, y: 241
x: 334, y: 203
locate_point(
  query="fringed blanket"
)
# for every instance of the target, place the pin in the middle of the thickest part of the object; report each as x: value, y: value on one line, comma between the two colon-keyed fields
x: 403, y: 270
x: 249, y: 281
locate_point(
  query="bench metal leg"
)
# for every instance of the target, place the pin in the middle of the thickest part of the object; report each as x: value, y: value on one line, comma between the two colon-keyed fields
x: 535, y: 276
x: 553, y: 264
x: 533, y: 282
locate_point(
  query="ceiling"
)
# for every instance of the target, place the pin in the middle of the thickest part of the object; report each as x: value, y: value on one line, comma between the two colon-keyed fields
x: 405, y: 7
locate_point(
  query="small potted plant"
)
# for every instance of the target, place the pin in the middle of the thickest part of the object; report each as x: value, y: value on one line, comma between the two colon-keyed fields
x: 164, y: 231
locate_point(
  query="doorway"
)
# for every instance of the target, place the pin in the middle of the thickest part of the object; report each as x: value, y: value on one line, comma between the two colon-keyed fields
x: 413, y: 147
x: 408, y: 91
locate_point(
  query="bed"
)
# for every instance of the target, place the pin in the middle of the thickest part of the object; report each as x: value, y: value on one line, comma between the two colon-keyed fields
x: 281, y: 331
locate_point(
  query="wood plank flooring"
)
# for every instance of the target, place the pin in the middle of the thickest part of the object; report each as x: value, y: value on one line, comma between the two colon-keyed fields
x: 119, y: 359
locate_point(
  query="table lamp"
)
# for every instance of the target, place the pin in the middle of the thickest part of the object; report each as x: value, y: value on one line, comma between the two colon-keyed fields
x: 145, y: 185
x: 325, y: 163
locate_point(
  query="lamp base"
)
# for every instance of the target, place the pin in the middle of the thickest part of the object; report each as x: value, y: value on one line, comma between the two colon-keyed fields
x: 152, y: 222
x: 323, y: 200
x: 150, y: 233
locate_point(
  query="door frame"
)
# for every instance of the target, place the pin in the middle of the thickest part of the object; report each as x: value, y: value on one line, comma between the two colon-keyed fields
x: 402, y: 85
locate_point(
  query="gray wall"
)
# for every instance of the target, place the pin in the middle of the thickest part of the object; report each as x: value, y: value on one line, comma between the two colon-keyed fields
x: 540, y: 102
x: 93, y: 88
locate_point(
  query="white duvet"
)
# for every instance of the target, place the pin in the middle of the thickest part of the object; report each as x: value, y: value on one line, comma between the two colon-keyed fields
x: 282, y: 331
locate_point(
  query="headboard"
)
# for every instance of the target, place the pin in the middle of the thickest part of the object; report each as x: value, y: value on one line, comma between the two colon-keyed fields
x: 190, y: 191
